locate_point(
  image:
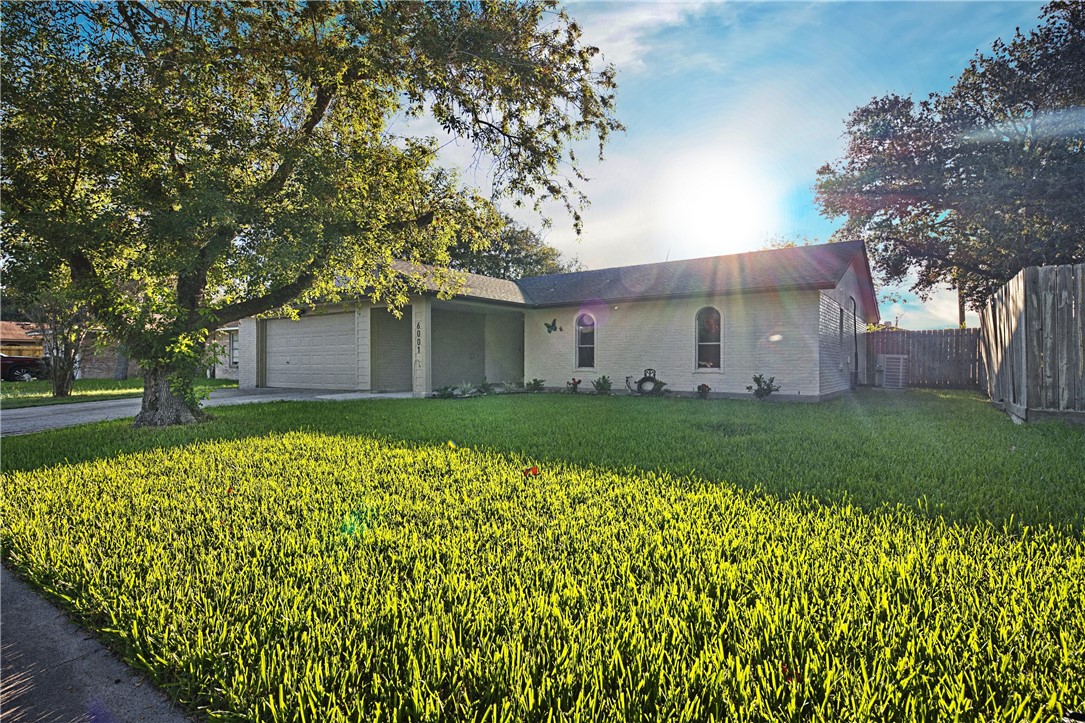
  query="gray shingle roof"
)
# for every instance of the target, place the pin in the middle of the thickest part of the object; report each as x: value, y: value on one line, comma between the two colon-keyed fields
x: 802, y: 267
x: 475, y: 286
x: 810, y: 267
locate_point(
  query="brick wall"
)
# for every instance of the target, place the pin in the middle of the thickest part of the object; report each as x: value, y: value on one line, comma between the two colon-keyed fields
x: 774, y: 334
x: 838, y: 354
x: 98, y: 360
x: 248, y: 342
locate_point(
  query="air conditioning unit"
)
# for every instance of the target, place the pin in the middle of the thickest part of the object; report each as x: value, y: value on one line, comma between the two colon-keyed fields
x: 893, y: 370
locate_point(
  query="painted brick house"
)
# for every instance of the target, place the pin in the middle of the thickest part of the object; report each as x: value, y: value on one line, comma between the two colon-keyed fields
x: 798, y: 314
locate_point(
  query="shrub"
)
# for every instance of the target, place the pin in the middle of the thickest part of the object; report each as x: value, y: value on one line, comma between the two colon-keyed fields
x: 764, y: 387
x: 573, y: 385
x: 486, y: 387
x: 602, y: 385
x: 448, y: 392
x: 535, y: 385
x: 703, y: 390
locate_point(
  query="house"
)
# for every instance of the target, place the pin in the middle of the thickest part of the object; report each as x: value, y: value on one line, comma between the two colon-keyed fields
x: 227, y: 364
x: 15, y: 339
x: 797, y: 314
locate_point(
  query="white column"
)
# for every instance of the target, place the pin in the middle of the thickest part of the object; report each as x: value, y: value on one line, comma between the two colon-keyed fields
x: 249, y: 352
x: 421, y: 348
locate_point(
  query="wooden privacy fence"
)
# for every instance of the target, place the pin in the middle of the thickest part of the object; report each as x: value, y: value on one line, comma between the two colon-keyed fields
x: 1034, y: 343
x: 946, y: 358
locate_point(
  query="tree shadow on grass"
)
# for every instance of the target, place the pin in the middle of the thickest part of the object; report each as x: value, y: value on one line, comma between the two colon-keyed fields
x: 944, y: 453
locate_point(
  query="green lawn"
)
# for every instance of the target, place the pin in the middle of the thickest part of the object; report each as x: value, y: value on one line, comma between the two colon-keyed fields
x: 39, y: 392
x: 882, y: 557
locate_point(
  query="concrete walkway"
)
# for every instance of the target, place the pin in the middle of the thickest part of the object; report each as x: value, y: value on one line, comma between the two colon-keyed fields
x: 37, y: 419
x: 53, y: 671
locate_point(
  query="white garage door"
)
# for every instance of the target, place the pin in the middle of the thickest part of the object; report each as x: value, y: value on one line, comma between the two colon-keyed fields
x: 314, y: 352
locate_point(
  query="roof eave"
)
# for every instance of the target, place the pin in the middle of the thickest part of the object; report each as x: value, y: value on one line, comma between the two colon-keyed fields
x: 687, y: 295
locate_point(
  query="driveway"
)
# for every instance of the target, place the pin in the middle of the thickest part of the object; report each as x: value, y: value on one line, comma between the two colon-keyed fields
x: 37, y: 419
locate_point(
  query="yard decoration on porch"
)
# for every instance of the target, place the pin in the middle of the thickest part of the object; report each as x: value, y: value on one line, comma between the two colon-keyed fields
x: 647, y: 385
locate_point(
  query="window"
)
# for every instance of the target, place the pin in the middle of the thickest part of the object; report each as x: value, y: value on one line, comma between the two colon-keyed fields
x: 233, y: 348
x: 585, y: 341
x: 709, y: 353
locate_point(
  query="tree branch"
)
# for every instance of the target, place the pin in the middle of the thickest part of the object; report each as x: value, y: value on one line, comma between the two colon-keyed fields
x: 270, y: 300
x: 278, y: 179
x: 290, y: 291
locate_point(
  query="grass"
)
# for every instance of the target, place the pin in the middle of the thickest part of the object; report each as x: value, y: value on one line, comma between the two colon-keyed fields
x: 39, y: 393
x: 889, y: 557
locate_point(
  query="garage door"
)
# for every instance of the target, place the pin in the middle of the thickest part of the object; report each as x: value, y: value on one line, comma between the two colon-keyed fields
x: 314, y: 352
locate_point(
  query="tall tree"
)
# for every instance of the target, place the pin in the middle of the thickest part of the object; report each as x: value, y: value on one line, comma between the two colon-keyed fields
x: 969, y: 187
x: 220, y: 160
x: 517, y: 252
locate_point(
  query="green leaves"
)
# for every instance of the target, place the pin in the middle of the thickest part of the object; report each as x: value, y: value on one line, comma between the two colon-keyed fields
x: 194, y: 164
x: 972, y: 185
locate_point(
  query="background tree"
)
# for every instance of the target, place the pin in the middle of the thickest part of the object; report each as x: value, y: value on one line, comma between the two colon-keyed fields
x: 61, y: 319
x: 969, y: 187
x: 216, y: 161
x: 783, y: 241
x: 518, y: 252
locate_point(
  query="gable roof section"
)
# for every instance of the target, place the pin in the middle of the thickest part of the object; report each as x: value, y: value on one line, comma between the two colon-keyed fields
x: 476, y: 286
x: 801, y: 267
x: 15, y: 332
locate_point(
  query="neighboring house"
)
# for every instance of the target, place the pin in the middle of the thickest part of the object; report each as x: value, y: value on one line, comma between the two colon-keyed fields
x: 797, y: 314
x: 226, y: 366
x: 99, y: 358
x: 16, y: 341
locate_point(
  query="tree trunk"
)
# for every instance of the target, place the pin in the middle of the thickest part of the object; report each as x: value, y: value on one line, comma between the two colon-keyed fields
x: 960, y: 309
x: 161, y: 407
x: 62, y: 383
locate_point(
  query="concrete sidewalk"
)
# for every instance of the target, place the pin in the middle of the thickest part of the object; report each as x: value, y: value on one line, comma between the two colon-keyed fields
x: 53, y: 671
x: 28, y: 420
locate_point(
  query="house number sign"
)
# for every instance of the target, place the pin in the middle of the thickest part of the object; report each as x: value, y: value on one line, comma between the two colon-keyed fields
x: 418, y: 338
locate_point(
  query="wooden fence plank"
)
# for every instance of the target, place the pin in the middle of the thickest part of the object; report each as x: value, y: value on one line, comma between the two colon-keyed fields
x: 1033, y: 340
x: 1032, y: 343
x: 1050, y: 366
x: 1079, y: 333
x: 1065, y: 361
x: 946, y: 358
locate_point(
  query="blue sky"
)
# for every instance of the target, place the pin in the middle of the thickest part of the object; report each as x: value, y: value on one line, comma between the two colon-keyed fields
x: 731, y: 107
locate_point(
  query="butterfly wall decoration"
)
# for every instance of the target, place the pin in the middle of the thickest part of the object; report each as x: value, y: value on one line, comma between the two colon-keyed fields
x: 531, y: 472
x: 551, y: 327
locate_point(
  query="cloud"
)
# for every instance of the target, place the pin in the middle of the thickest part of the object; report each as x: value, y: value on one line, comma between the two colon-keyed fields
x: 627, y: 32
x: 938, y: 312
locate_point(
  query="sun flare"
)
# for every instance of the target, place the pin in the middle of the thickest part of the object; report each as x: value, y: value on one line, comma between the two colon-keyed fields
x: 715, y: 203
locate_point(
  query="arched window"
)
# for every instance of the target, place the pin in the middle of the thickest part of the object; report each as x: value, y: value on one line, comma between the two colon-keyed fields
x: 709, y: 352
x: 585, y: 341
